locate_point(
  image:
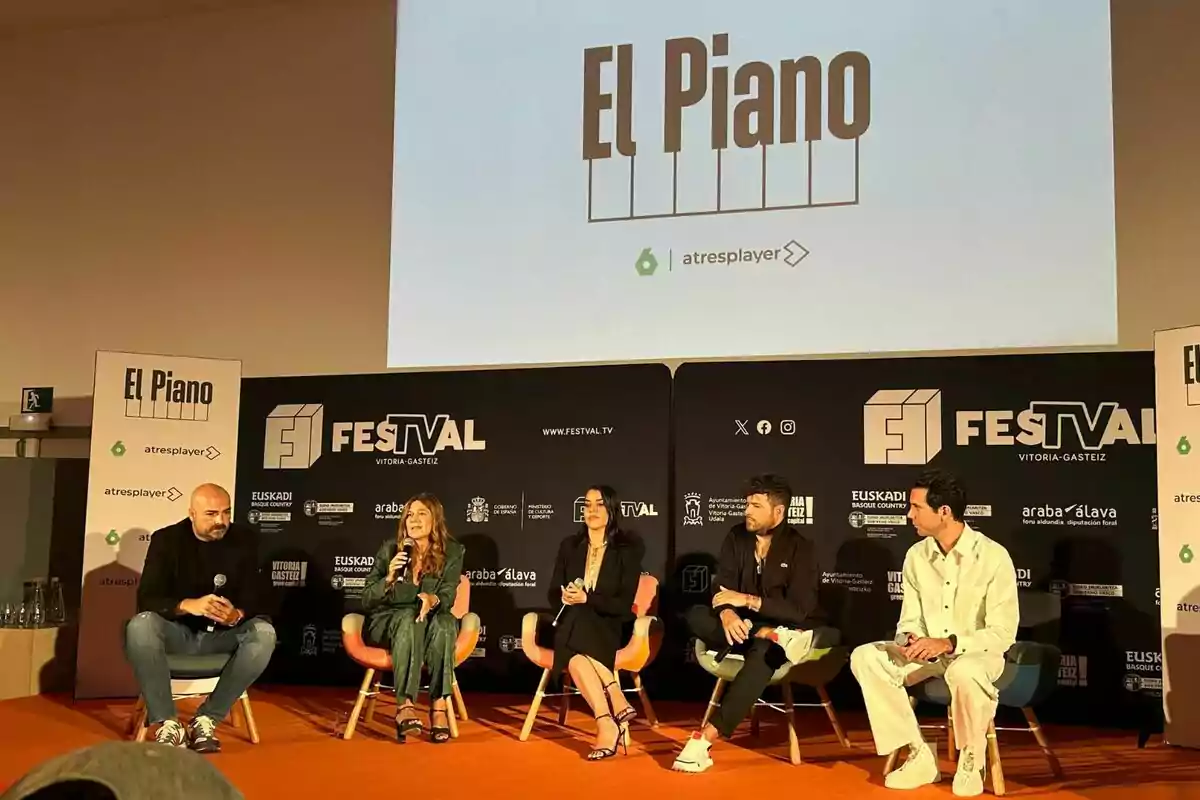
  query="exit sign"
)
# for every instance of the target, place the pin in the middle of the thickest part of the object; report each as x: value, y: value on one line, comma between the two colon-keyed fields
x: 37, y: 401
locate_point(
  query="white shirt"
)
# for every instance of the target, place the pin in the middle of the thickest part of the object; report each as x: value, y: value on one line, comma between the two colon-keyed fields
x: 970, y: 592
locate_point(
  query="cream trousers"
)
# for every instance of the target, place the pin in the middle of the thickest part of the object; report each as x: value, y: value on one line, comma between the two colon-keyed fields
x: 883, y: 672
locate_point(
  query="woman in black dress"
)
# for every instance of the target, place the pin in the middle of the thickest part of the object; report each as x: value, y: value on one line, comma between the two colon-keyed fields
x: 596, y: 577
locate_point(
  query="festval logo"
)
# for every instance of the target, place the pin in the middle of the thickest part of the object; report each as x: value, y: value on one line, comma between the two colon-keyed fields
x: 112, y: 537
x: 1184, y: 446
x: 117, y: 449
x: 1186, y: 555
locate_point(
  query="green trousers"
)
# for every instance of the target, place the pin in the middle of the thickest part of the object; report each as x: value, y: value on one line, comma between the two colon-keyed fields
x: 415, y: 645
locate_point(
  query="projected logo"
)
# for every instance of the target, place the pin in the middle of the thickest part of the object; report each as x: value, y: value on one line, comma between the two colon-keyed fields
x: 902, y: 426
x: 694, y: 73
x: 293, y: 436
x: 791, y: 254
x: 629, y: 508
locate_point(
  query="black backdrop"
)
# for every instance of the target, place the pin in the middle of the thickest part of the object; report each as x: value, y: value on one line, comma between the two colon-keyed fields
x: 547, y: 434
x: 1076, y: 512
x: 1073, y: 500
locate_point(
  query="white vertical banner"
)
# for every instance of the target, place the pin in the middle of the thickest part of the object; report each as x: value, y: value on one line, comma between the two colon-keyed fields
x: 161, y: 425
x: 1177, y: 404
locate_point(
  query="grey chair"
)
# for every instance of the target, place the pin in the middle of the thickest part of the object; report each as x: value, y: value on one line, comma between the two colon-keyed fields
x: 826, y: 661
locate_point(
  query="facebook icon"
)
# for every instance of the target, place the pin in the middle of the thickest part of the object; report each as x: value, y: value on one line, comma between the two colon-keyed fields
x: 37, y: 401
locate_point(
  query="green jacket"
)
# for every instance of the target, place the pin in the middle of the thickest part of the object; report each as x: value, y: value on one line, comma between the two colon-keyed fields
x: 376, y: 596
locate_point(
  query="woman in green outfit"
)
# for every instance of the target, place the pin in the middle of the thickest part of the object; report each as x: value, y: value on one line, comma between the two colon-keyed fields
x: 408, y: 597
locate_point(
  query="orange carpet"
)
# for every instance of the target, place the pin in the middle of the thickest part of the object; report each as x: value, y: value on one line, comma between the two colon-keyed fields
x: 300, y: 755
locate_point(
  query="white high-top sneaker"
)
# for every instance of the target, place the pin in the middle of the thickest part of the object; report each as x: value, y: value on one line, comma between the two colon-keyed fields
x: 968, y: 780
x: 694, y: 757
x: 920, y: 769
x: 797, y: 645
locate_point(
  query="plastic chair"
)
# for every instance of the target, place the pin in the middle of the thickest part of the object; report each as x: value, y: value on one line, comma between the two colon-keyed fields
x: 196, y: 676
x: 638, y: 653
x: 1030, y: 676
x: 377, y: 659
x: 822, y: 666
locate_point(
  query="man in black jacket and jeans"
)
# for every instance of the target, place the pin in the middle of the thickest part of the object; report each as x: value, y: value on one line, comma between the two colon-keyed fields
x: 200, y: 594
x: 764, y: 608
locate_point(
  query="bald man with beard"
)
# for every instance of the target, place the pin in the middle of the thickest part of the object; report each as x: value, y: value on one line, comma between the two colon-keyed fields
x: 184, y: 608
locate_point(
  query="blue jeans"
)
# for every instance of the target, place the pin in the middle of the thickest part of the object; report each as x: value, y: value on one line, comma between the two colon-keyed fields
x: 149, y: 638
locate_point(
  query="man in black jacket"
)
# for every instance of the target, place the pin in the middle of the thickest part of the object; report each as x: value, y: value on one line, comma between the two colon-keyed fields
x: 200, y: 594
x: 764, y: 608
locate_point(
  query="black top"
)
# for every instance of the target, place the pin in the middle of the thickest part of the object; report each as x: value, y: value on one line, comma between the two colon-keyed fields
x: 595, y: 628
x: 789, y: 580
x: 180, y: 566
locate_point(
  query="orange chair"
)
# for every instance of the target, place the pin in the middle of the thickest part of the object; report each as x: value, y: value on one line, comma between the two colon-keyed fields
x: 376, y: 659
x: 635, y: 656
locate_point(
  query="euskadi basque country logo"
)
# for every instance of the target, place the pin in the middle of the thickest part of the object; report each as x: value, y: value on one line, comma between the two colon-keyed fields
x: 904, y: 426
x: 166, y: 395
x: 295, y: 437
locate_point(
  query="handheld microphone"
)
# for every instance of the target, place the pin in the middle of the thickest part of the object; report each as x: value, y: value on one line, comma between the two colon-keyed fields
x: 406, y: 546
x: 578, y: 584
x: 218, y: 582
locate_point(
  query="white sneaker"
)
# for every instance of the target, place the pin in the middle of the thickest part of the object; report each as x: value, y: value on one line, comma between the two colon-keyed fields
x: 968, y: 781
x: 797, y: 645
x: 919, y: 769
x: 171, y: 733
x: 694, y: 757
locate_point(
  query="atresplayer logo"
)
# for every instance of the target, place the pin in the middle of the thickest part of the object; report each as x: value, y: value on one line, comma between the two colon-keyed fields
x: 759, y: 87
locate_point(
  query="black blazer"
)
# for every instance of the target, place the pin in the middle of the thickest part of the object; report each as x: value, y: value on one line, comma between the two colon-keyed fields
x: 790, y: 576
x: 617, y: 583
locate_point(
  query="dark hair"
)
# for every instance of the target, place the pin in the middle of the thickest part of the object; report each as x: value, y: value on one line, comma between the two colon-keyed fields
x: 775, y: 487
x: 943, y: 489
x: 608, y: 496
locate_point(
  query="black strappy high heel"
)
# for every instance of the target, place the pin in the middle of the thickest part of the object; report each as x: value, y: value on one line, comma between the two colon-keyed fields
x: 625, y: 716
x: 437, y: 734
x: 407, y: 725
x: 600, y: 753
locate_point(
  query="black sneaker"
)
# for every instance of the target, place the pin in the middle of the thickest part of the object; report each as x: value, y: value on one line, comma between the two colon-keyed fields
x: 171, y: 733
x: 202, y: 733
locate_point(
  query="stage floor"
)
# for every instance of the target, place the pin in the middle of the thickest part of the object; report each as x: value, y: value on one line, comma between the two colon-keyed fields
x: 300, y: 756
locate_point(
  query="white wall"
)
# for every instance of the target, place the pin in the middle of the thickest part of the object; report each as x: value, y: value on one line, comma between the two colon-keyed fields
x: 217, y: 183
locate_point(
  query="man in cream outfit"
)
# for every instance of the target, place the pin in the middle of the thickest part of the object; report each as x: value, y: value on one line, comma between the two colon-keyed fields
x: 957, y: 620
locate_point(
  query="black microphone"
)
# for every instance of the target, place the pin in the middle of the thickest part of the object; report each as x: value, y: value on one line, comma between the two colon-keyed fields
x: 578, y: 584
x: 218, y: 582
x: 406, y: 546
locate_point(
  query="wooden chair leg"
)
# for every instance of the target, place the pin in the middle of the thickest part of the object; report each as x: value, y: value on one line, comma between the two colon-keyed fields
x: 714, y: 702
x: 358, y: 704
x: 830, y: 712
x: 950, y: 752
x: 1036, y: 729
x: 251, y: 727
x: 789, y: 707
x: 458, y: 699
x: 993, y: 746
x: 373, y: 700
x: 535, y: 705
x: 565, y: 701
x: 651, y: 717
x: 139, y: 715
x: 452, y: 718
x: 237, y: 719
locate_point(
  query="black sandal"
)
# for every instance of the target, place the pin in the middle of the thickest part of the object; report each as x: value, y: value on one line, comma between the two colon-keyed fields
x: 406, y: 725
x: 601, y: 753
x: 625, y: 716
x: 437, y: 734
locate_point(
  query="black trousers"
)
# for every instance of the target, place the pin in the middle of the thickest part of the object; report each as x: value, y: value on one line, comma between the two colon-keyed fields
x: 762, y: 656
